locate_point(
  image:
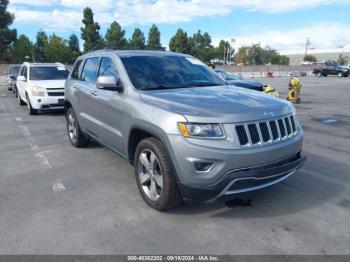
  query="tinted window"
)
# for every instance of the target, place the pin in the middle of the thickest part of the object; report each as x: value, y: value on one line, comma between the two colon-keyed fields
x: 14, y: 70
x: 24, y: 71
x: 77, y: 69
x: 89, y: 73
x: 226, y: 75
x: 107, y: 68
x: 48, y: 73
x: 166, y: 72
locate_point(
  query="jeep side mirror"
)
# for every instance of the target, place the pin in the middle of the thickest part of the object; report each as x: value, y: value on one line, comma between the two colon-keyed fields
x: 110, y: 83
x: 21, y: 78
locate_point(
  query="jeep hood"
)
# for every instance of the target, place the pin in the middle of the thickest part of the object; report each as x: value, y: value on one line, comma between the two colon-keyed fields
x: 49, y: 83
x: 222, y: 104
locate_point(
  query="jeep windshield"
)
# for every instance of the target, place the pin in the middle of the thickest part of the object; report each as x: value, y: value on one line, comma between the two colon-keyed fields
x: 48, y: 73
x: 168, y: 72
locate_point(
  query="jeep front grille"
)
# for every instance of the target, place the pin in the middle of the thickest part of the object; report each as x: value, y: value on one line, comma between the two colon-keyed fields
x: 266, y: 132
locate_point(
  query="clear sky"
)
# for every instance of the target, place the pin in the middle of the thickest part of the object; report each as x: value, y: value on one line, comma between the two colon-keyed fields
x: 281, y: 24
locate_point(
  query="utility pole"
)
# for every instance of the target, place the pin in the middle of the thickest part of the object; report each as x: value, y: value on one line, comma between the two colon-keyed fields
x: 307, y: 45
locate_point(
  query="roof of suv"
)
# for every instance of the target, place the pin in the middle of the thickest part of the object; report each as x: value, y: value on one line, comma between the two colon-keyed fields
x: 123, y: 53
x: 43, y: 64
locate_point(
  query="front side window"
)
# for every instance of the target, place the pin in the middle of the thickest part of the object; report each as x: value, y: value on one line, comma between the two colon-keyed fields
x: 168, y: 72
x: 107, y: 68
x: 24, y: 71
x: 89, y: 73
x: 48, y: 73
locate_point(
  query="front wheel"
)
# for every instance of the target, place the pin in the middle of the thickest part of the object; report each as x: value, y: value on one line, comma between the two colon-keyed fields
x: 340, y: 74
x: 76, y: 137
x: 31, y: 110
x: 154, y: 175
x: 20, y: 101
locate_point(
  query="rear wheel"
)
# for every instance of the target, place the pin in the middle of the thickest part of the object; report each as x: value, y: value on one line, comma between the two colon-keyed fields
x: 76, y: 137
x: 31, y: 110
x: 154, y: 175
x: 319, y: 74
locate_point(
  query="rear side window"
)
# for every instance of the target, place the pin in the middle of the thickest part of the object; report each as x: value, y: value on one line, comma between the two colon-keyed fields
x: 77, y: 69
x: 89, y: 73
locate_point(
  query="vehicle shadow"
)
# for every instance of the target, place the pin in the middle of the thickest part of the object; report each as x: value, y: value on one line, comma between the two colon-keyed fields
x: 318, y: 182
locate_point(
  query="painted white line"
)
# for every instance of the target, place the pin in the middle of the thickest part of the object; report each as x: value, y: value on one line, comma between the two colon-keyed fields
x: 58, y: 186
x: 25, y: 130
x: 18, y: 119
x: 44, y: 163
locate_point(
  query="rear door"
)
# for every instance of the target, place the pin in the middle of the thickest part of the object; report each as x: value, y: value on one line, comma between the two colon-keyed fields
x: 86, y: 92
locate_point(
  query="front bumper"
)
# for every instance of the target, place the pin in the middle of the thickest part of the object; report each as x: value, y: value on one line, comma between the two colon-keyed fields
x: 245, y: 180
x: 47, y: 103
x: 233, y: 170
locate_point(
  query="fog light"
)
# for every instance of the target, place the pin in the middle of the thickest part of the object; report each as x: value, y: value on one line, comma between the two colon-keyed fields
x: 202, y: 166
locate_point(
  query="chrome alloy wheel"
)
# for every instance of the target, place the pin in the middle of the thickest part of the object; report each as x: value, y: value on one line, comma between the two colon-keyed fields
x: 72, y: 127
x: 150, y: 174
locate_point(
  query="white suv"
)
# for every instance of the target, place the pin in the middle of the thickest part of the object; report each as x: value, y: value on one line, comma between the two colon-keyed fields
x: 41, y: 86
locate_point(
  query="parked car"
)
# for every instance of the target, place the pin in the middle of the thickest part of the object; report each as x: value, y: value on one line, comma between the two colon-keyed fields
x: 11, y: 76
x: 331, y: 67
x: 237, y: 81
x: 186, y: 133
x: 297, y: 74
x: 41, y: 86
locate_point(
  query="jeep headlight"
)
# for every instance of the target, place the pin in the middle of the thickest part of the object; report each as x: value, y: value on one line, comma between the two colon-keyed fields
x: 199, y: 130
x: 38, y: 91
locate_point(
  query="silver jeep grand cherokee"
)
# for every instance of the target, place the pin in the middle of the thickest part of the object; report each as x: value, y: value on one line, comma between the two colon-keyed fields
x: 189, y: 135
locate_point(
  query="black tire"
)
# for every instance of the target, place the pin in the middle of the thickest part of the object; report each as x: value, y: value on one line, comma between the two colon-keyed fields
x: 31, y: 110
x: 169, y: 196
x: 77, y: 139
x: 21, y: 102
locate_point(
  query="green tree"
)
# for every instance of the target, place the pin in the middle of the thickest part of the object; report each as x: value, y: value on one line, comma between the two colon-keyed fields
x: 310, y: 58
x: 179, y: 42
x: 343, y: 60
x: 73, y: 43
x: 241, y: 56
x: 115, y: 36
x: 41, y: 41
x: 58, y: 50
x: 206, y: 40
x: 137, y: 40
x: 153, y: 41
x: 90, y: 32
x: 198, y: 39
x: 21, y: 49
x: 7, y: 36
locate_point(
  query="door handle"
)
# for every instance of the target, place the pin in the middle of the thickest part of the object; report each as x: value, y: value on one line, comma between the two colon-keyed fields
x: 94, y: 93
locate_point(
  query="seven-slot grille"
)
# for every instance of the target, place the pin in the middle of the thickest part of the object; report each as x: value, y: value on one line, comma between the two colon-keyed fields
x: 55, y: 91
x: 269, y: 131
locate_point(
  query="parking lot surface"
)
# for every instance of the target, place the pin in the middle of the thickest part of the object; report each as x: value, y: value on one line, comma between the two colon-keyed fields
x: 56, y: 199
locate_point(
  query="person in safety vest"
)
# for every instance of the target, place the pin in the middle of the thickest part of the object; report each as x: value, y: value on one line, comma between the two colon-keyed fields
x: 271, y: 91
